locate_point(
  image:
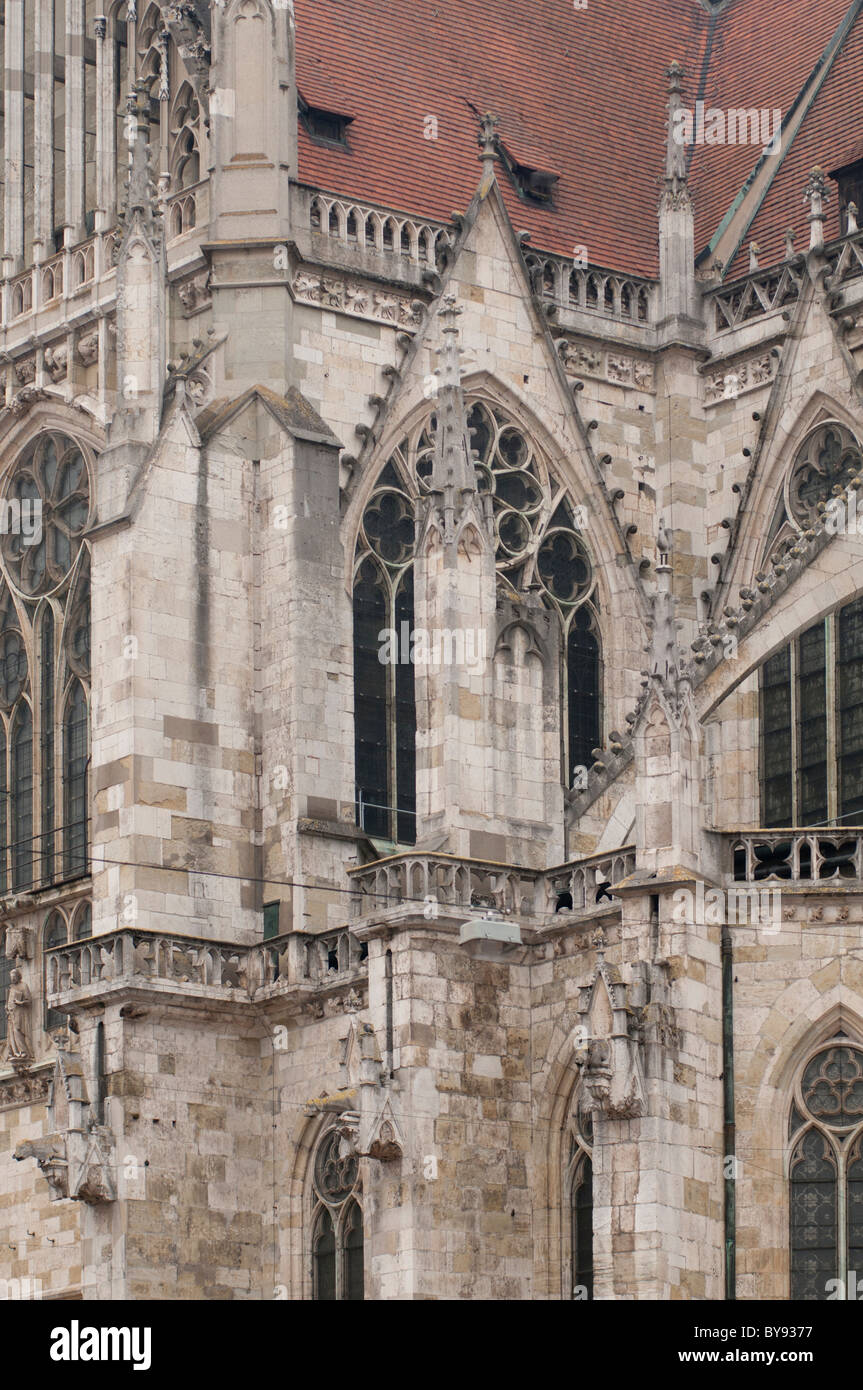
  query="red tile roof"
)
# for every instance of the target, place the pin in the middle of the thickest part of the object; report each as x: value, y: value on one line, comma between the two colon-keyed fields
x: 584, y: 90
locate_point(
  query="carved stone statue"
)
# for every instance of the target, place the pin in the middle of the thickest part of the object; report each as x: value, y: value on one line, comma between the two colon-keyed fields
x: 18, y: 1003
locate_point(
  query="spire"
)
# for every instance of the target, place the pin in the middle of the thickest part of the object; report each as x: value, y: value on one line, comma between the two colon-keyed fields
x: 140, y: 201
x: 452, y: 465
x: 488, y: 155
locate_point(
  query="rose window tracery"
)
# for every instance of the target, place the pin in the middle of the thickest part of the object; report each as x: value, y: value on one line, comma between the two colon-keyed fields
x: 44, y: 665
x: 829, y: 459
x: 50, y: 486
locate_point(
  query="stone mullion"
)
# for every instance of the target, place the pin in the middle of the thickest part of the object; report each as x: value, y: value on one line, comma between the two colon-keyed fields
x: 43, y: 130
x: 106, y: 125
x: 75, y: 146
x: 13, y: 84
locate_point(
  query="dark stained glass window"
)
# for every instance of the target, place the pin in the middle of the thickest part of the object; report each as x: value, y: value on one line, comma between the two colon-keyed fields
x: 324, y: 1257
x: 371, y: 716
x: 776, y: 740
x: 855, y: 1210
x: 826, y: 1174
x: 812, y: 725
x: 353, y: 1253
x: 812, y: 698
x: 582, y: 672
x: 405, y: 720
x: 581, y: 1208
x: 75, y: 782
x: 850, y: 694
x: 46, y: 738
x: 813, y: 1217
x: 22, y: 797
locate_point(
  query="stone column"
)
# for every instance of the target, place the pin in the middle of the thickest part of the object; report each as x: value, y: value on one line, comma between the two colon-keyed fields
x: 75, y: 120
x: 106, y: 126
x: 13, y: 84
x: 43, y: 129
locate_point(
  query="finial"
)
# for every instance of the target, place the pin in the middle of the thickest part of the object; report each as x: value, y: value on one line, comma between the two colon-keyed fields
x: 452, y: 464
x: 816, y: 195
x: 675, y: 157
x: 487, y: 138
x: 754, y: 249
x: 851, y: 219
x: 789, y: 243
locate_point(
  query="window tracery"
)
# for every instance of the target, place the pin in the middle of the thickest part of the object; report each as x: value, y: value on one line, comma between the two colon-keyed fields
x: 538, y: 541
x: 826, y: 1171
x: 44, y: 664
x: 812, y: 725
x: 829, y: 458
x: 337, y: 1222
x: 578, y: 1199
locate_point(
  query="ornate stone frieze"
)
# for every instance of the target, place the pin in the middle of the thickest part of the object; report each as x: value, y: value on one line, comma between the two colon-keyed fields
x: 25, y: 1088
x: 585, y: 359
x: 738, y: 376
x: 352, y: 296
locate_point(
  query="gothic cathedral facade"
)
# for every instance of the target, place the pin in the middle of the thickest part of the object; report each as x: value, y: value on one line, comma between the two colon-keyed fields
x: 431, y: 650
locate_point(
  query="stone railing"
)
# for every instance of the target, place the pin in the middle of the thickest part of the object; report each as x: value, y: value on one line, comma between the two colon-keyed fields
x: 443, y: 879
x: 127, y: 958
x: 359, y: 225
x: 754, y: 295
x: 186, y: 209
x: 50, y: 283
x: 844, y: 260
x: 588, y: 882
x: 795, y: 856
x: 626, y: 298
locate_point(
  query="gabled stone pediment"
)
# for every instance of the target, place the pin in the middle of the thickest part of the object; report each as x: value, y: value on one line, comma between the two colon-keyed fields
x: 291, y: 411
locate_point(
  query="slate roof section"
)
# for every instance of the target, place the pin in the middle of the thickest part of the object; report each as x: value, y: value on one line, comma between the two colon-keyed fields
x: 587, y: 88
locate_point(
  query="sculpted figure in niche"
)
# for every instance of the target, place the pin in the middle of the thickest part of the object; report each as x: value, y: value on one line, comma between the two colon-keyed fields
x: 18, y: 1047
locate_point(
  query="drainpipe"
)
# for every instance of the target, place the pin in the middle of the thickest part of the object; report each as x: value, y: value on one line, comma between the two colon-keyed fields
x: 728, y: 1114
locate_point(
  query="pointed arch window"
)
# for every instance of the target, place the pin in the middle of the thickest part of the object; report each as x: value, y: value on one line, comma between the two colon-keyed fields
x: 75, y: 781
x: 22, y: 796
x: 538, y: 541
x: 811, y: 699
x: 384, y: 701
x: 826, y: 1172
x: 337, y: 1223
x: 44, y: 664
x: 578, y: 1198
x: 54, y: 933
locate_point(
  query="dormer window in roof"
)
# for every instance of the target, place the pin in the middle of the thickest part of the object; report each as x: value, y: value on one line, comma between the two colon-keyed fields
x: 533, y: 180
x: 325, y: 127
x: 850, y: 181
